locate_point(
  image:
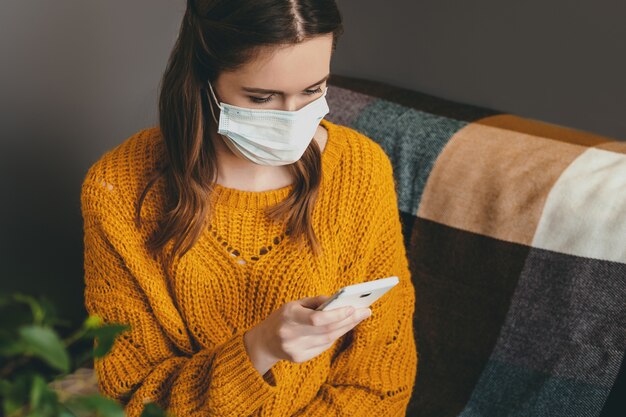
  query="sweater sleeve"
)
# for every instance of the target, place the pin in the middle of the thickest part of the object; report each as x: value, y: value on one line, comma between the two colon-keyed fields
x: 374, y: 374
x: 144, y: 365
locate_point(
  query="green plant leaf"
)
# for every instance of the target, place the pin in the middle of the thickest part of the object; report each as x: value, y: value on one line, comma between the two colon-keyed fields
x: 66, y: 413
x: 49, y: 311
x: 15, y: 394
x: 105, y: 337
x: 105, y: 407
x: 44, y: 343
x: 36, y: 391
x: 44, y: 402
x: 35, y: 307
x: 93, y: 322
x: 153, y: 410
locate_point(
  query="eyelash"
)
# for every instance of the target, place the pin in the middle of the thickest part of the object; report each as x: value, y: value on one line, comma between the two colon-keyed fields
x: 268, y: 99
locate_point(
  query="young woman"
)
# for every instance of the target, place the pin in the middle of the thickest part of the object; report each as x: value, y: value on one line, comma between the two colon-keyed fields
x: 215, y: 235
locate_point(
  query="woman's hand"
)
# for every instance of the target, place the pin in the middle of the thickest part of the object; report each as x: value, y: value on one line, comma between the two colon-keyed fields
x: 297, y: 333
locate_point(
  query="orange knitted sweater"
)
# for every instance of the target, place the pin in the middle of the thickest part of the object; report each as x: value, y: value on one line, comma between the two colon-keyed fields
x: 185, y: 348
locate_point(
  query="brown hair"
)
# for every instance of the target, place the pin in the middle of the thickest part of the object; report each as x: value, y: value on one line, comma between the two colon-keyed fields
x: 216, y: 36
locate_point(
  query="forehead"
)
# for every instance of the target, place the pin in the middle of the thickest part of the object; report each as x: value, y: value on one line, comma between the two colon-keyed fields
x: 285, y: 68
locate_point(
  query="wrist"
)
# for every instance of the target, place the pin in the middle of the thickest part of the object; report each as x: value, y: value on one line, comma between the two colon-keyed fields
x: 258, y: 354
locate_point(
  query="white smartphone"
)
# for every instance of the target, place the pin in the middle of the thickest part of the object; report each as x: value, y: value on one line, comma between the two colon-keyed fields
x: 359, y: 295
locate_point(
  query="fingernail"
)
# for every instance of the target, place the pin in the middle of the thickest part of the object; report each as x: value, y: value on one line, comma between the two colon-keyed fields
x: 366, y: 314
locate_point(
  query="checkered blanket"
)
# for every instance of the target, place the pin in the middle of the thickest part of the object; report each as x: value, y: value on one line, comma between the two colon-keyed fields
x: 516, y: 235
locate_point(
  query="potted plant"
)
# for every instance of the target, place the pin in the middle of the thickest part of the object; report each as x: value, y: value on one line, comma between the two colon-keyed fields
x: 43, y: 374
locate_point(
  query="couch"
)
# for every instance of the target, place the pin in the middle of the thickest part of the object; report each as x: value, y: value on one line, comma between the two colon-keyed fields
x: 515, y: 231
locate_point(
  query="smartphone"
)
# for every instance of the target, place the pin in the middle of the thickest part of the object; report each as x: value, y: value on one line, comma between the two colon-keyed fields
x: 359, y: 295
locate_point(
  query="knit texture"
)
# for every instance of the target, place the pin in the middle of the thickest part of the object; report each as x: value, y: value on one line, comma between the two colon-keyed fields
x: 185, y: 348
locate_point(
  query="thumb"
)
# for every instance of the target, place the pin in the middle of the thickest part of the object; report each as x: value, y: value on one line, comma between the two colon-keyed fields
x: 313, y: 302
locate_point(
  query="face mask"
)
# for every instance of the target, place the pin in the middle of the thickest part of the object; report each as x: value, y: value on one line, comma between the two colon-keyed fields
x: 270, y: 137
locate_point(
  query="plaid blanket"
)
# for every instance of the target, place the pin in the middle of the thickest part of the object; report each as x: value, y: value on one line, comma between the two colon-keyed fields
x: 516, y: 235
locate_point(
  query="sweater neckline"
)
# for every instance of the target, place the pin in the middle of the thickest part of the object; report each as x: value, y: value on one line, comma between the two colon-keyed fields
x: 233, y: 197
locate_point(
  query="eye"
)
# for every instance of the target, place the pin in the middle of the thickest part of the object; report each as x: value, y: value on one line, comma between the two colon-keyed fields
x: 261, y: 99
x: 269, y: 98
x: 317, y: 90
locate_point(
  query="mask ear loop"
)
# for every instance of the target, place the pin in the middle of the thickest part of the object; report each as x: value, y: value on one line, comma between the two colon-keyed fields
x: 211, y: 104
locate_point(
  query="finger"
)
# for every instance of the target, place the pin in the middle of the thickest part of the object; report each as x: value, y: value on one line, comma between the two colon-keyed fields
x: 301, y: 309
x: 329, y: 338
x: 355, y: 317
x: 309, y: 317
x: 313, y: 302
x: 325, y: 318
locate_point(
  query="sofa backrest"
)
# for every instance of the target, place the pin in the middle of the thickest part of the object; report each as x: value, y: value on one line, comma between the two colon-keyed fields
x: 516, y: 236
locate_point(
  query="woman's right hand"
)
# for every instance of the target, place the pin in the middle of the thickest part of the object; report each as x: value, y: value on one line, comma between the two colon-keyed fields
x: 297, y: 332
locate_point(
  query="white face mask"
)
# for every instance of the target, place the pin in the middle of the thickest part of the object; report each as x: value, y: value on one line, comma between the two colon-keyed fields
x: 270, y: 137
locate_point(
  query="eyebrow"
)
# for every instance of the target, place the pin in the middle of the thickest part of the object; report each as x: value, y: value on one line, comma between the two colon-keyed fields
x: 262, y: 90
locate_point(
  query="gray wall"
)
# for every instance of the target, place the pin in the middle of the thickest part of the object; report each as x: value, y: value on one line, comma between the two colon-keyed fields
x: 79, y: 76
x: 560, y: 61
x: 76, y: 78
